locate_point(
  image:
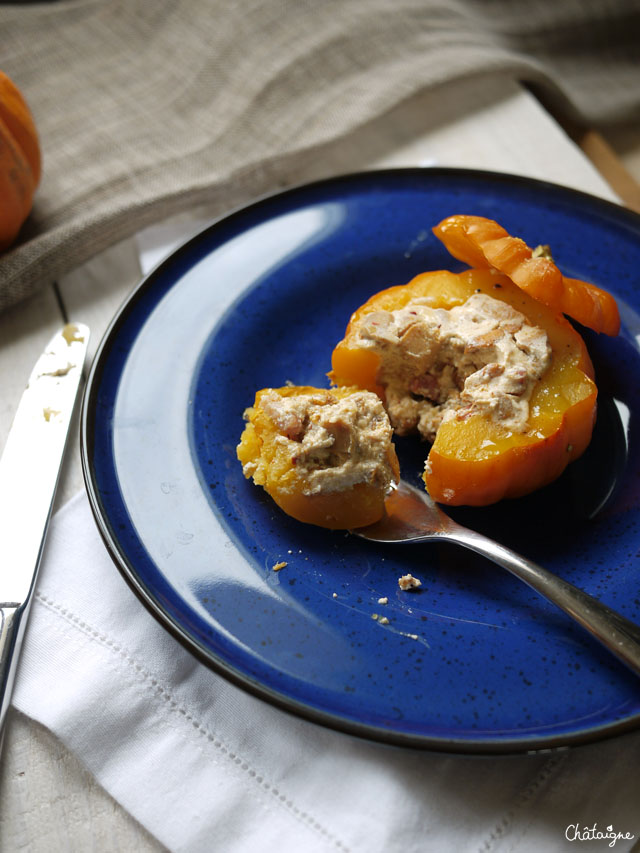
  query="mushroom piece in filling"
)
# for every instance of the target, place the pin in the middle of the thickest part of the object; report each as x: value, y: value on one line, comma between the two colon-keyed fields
x: 438, y: 364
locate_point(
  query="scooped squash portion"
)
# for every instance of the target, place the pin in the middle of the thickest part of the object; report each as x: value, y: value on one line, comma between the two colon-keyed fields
x: 324, y: 456
x: 500, y: 383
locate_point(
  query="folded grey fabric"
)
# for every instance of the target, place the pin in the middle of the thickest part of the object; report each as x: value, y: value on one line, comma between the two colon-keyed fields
x: 148, y: 109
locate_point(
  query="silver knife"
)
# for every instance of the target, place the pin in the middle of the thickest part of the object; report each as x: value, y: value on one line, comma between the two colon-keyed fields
x: 29, y: 471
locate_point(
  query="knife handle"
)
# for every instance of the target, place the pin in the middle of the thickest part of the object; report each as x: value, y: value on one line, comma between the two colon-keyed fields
x: 11, y: 631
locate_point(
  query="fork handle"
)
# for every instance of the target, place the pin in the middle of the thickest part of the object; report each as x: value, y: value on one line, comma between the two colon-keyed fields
x: 617, y: 634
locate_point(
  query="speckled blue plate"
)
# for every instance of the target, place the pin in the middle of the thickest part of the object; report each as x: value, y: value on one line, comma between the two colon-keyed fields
x: 260, y: 298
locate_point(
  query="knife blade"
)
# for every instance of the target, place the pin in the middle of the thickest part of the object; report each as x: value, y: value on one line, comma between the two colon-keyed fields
x: 29, y: 472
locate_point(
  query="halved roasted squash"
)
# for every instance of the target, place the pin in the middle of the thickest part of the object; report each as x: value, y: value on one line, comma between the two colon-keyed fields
x: 475, y: 459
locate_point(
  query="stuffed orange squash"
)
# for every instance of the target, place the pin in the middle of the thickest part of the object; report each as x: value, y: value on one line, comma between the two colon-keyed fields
x: 324, y: 456
x: 482, y: 364
x: 498, y: 381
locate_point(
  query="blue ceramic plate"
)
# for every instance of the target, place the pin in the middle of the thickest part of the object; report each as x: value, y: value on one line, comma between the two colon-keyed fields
x: 260, y: 298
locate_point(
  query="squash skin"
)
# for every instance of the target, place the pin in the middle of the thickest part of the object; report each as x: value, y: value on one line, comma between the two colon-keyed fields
x: 459, y: 469
x: 591, y: 306
x: 483, y: 243
x: 20, y: 161
x: 357, y: 506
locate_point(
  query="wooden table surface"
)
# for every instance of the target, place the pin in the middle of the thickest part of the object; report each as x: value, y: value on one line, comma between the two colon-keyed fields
x: 49, y: 802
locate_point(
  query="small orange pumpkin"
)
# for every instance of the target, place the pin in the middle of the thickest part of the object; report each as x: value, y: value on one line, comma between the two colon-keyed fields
x: 20, y: 161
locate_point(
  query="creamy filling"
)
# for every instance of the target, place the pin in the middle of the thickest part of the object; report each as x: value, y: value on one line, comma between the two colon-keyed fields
x: 437, y: 364
x: 334, y: 442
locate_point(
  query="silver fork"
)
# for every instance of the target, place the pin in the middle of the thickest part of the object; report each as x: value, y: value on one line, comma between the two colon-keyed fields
x: 411, y: 516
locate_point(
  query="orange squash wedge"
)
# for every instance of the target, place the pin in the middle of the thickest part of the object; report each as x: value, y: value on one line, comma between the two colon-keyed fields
x: 324, y: 456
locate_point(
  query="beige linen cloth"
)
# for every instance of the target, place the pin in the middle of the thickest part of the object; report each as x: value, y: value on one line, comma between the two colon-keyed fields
x: 148, y: 108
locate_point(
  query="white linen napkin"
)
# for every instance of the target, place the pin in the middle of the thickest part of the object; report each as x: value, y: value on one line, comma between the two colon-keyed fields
x: 206, y: 767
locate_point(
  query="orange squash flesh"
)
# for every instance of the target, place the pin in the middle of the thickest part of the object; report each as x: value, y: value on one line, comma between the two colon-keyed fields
x: 477, y: 461
x: 483, y: 243
x: 274, y: 470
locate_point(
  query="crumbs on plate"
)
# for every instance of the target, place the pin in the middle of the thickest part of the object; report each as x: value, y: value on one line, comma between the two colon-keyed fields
x: 409, y: 582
